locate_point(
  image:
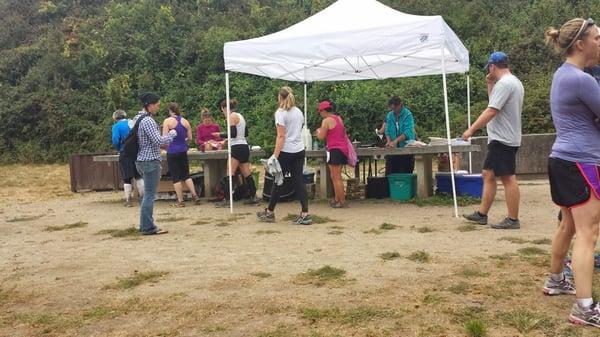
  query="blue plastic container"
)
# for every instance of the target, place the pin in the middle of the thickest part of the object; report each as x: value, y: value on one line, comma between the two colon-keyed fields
x: 466, y: 184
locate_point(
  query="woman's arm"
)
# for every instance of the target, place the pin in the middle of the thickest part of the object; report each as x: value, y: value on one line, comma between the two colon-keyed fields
x: 279, y: 141
x: 324, y: 129
x: 188, y: 127
x: 166, y: 127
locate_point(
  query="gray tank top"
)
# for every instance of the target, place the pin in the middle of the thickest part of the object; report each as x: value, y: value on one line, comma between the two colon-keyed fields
x: 240, y: 139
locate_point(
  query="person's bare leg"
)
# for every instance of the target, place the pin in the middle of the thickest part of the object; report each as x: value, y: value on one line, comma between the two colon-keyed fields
x: 512, y: 194
x: 338, y: 184
x: 178, y: 191
x: 586, y: 219
x: 190, y: 185
x: 489, y: 191
x: 562, y: 241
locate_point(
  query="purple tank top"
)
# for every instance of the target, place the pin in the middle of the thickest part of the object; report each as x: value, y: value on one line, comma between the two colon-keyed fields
x: 179, y: 144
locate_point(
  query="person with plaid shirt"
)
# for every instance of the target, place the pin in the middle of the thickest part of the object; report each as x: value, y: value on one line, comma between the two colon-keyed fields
x: 148, y: 161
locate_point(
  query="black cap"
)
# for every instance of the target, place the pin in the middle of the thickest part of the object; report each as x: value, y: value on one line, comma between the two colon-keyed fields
x: 148, y: 98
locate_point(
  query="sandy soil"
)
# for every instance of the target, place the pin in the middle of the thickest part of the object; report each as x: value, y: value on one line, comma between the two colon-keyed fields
x: 220, y: 275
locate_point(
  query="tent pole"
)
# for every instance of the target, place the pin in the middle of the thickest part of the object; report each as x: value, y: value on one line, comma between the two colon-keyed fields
x: 469, y: 117
x: 229, y: 144
x: 306, y: 118
x: 450, y: 157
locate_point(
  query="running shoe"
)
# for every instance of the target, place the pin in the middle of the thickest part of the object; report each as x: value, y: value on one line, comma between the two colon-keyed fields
x: 222, y: 204
x: 303, y: 220
x: 585, y: 316
x: 477, y: 218
x: 265, y: 216
x: 507, y: 223
x: 252, y: 201
x: 564, y: 287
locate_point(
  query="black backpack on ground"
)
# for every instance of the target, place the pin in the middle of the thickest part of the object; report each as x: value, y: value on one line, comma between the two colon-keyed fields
x: 131, y: 145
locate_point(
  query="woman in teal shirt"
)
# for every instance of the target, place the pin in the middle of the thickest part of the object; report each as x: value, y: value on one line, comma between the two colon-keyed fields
x: 400, y: 128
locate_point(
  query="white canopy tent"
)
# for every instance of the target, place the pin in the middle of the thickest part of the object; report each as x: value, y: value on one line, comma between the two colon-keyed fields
x: 354, y: 40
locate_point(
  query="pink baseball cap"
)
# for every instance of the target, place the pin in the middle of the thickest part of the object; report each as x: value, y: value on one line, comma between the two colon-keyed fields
x: 324, y: 105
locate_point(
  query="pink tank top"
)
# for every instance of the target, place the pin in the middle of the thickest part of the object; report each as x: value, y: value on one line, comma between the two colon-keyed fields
x: 336, y: 137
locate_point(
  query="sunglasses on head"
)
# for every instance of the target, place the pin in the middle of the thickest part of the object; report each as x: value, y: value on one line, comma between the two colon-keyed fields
x: 584, y: 25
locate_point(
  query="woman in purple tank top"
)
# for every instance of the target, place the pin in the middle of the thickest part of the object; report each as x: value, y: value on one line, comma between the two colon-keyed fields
x: 177, y: 157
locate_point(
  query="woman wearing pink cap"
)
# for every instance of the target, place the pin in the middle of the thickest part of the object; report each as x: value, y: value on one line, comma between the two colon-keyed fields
x: 333, y: 131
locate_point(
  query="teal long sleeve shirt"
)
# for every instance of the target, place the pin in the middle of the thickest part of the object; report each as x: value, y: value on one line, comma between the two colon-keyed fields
x: 403, y: 125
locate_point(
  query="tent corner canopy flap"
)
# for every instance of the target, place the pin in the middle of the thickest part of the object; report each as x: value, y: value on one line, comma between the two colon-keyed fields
x: 355, y: 40
x: 351, y: 40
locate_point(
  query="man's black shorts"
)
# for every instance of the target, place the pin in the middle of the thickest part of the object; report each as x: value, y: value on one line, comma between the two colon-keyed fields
x: 502, y: 159
x: 128, y: 169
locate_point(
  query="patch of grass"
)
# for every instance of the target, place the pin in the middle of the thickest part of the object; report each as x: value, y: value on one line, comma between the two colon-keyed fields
x: 469, y: 272
x: 373, y: 231
x: 335, y: 233
x: 261, y: 275
x: 223, y: 224
x: 530, y: 251
x: 467, y: 228
x: 419, y: 256
x: 461, y: 288
x: 171, y: 219
x: 25, y: 218
x: 433, y: 299
x: 79, y: 224
x: 267, y: 232
x: 316, y: 219
x: 445, y: 200
x: 425, y: 229
x: 513, y: 239
x: 336, y: 227
x: 352, y: 316
x: 387, y: 226
x: 467, y: 314
x: 544, y: 241
x: 99, y: 312
x: 390, y: 256
x: 503, y: 257
x: 213, y: 329
x: 475, y: 328
x: 322, y: 276
x: 120, y: 233
x: 137, y: 279
x: 526, y: 321
x: 200, y: 223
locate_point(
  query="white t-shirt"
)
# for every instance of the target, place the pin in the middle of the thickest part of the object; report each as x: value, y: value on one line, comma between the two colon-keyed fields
x: 507, y: 98
x: 292, y: 120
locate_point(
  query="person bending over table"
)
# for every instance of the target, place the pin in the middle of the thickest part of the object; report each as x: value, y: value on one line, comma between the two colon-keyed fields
x: 400, y: 128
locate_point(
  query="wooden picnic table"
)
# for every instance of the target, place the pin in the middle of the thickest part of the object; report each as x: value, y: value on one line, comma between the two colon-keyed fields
x: 423, y: 164
x: 214, y: 164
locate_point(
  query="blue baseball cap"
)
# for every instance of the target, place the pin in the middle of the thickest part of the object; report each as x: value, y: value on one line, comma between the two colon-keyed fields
x: 495, y: 58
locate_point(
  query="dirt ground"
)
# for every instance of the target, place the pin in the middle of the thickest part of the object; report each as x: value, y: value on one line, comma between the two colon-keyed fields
x: 69, y: 266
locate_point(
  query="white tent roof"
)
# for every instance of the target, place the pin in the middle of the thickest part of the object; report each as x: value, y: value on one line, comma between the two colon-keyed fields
x: 352, y: 40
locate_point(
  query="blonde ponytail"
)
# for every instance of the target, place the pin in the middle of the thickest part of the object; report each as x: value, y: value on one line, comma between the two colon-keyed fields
x: 286, y: 98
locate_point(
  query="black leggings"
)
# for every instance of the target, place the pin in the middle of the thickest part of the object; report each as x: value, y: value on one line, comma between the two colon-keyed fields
x: 292, y: 163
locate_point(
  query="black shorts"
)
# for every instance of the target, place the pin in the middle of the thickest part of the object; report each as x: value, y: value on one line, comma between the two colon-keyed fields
x: 502, y: 159
x: 241, y: 153
x: 337, y: 157
x: 128, y: 169
x: 568, y: 186
x: 179, y: 166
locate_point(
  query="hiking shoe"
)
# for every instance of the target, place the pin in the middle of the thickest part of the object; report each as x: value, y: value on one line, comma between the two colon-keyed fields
x: 507, y: 223
x: 477, y: 218
x: 178, y: 204
x: 265, y: 216
x: 564, y: 287
x: 585, y: 316
x: 128, y: 203
x: 252, y: 201
x: 303, y: 220
x: 222, y: 204
x: 196, y: 199
x: 338, y: 205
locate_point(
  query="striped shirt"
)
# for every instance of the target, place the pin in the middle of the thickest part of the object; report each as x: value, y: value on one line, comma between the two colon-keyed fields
x: 150, y: 139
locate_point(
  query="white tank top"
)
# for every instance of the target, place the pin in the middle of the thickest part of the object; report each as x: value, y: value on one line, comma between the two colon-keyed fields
x: 240, y: 139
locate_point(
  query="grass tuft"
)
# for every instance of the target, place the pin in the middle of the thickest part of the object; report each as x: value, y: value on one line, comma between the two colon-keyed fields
x: 336, y: 232
x: 316, y: 219
x: 425, y: 229
x: 467, y: 228
x: 445, y: 200
x: 419, y: 256
x: 526, y: 321
x: 120, y: 233
x: 468, y: 272
x: 390, y: 256
x: 461, y: 288
x: 326, y: 275
x: 25, y: 218
x: 544, y: 241
x: 261, y: 275
x: 531, y: 251
x: 267, y: 232
x: 79, y: 224
x: 513, y: 239
x: 475, y: 328
x: 137, y: 279
x: 200, y: 223
x: 171, y: 219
